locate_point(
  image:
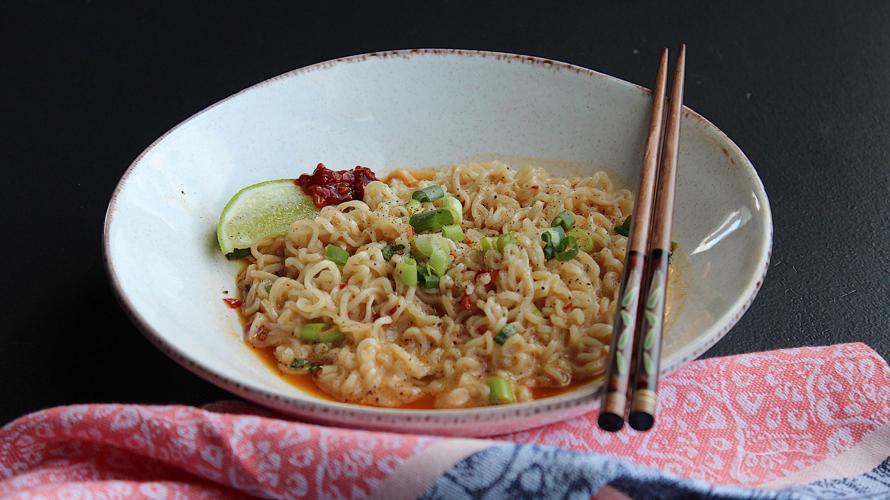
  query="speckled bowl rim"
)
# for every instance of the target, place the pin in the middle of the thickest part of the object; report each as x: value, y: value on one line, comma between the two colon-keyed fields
x: 344, y: 414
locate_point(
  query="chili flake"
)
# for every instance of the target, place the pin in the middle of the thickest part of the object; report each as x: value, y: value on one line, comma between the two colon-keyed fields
x: 466, y: 303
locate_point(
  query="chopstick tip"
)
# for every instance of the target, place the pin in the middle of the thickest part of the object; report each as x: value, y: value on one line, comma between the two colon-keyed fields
x: 610, y: 422
x: 640, y: 421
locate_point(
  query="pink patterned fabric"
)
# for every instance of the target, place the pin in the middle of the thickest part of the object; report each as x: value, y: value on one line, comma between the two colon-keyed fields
x: 749, y: 419
x: 744, y: 420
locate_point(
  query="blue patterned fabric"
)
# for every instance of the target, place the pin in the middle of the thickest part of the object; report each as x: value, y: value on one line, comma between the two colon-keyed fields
x: 528, y: 471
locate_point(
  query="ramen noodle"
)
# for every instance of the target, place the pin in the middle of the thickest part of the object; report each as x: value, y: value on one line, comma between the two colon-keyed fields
x: 506, y: 317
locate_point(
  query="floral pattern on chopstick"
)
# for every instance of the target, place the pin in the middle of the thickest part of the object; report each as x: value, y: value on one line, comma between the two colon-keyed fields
x: 617, y: 374
x: 652, y: 321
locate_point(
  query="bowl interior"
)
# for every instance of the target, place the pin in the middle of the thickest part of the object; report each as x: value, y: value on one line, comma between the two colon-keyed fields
x: 412, y: 109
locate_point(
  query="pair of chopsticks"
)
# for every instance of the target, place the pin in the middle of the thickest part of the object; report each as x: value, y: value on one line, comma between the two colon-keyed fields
x: 636, y: 338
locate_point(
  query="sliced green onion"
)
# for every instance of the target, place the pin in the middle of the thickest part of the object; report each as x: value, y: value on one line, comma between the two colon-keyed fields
x: 310, y: 332
x: 238, y: 253
x: 453, y: 232
x: 554, y: 241
x: 549, y: 252
x: 489, y: 242
x: 331, y: 336
x: 413, y: 207
x: 426, y: 244
x: 624, y: 228
x: 454, y: 206
x: 674, y: 246
x: 408, y: 271
x: 300, y: 363
x: 505, y: 333
x: 390, y: 250
x: 565, y: 220
x: 569, y: 251
x: 428, y: 193
x: 585, y: 241
x: 438, y: 262
x: 506, y: 240
x: 427, y: 279
x: 336, y: 254
x: 500, y: 390
x: 432, y: 220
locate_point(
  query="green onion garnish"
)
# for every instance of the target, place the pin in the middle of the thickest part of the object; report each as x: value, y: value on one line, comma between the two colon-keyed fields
x: 549, y: 252
x: 238, y: 253
x: 413, y: 207
x: 300, y: 363
x: 500, y: 390
x: 488, y: 242
x: 390, y: 250
x: 438, y: 262
x: 569, y: 251
x: 331, y: 336
x: 506, y: 240
x: 453, y: 232
x: 310, y: 332
x: 427, y: 243
x: 453, y: 205
x: 336, y: 254
x: 428, y: 194
x: 585, y: 242
x: 427, y: 279
x: 408, y: 271
x: 554, y: 241
x: 505, y: 333
x: 565, y: 220
x: 432, y: 220
x: 624, y: 228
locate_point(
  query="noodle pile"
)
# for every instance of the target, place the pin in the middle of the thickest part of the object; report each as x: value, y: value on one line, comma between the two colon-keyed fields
x: 403, y: 343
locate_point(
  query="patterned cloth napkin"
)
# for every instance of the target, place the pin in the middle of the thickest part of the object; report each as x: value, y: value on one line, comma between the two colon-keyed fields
x: 799, y: 423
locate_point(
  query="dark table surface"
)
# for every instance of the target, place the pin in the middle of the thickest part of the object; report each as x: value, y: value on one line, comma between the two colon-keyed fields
x: 802, y: 88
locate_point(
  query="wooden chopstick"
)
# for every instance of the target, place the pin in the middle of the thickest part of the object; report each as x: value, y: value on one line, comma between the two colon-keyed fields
x: 645, y: 386
x: 614, y: 395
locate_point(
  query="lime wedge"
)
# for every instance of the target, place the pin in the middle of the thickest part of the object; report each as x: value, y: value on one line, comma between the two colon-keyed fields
x: 261, y: 211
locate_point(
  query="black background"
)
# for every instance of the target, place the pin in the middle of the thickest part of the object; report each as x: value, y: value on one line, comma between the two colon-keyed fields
x: 802, y: 87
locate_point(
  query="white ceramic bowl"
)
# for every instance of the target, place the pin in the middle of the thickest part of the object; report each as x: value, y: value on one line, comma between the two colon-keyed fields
x: 413, y: 108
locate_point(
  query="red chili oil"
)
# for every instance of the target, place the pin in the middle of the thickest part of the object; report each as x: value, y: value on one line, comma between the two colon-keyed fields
x: 332, y: 187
